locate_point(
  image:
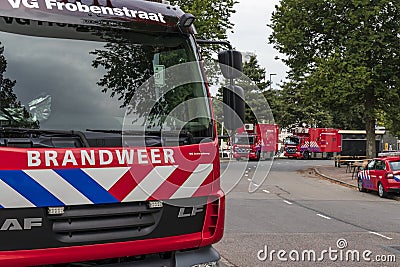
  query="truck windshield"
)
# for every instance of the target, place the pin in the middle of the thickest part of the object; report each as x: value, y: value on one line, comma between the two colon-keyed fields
x: 244, y: 140
x: 90, y: 80
x: 292, y: 141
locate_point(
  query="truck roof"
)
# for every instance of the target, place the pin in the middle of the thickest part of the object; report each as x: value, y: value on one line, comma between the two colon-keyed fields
x: 139, y: 15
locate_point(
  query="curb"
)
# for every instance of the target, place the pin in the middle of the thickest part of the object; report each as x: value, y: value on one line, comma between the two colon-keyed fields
x: 335, y: 180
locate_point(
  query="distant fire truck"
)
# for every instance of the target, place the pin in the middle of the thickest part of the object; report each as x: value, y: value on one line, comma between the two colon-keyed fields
x: 259, y: 141
x: 309, y: 143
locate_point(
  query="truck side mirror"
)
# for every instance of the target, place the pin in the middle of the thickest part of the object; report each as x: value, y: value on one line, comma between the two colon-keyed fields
x: 230, y: 63
x: 234, y: 107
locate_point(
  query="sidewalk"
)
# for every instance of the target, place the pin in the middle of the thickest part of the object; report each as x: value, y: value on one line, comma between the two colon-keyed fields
x: 336, y: 174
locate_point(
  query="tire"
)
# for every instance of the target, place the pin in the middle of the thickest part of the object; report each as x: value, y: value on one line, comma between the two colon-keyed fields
x: 306, y: 155
x: 360, y: 186
x: 381, y: 191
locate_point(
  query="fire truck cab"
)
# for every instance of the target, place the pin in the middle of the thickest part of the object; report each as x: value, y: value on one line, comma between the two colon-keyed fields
x: 309, y: 143
x: 256, y: 141
x: 108, y: 148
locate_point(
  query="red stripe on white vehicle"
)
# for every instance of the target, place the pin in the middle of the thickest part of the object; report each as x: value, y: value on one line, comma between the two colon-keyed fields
x: 192, y: 184
x: 174, y: 181
x: 124, y: 186
x: 150, y: 184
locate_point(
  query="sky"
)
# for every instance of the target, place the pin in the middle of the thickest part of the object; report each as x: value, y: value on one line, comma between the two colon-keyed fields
x: 250, y: 34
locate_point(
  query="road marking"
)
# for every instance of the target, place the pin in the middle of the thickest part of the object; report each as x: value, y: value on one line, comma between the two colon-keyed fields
x: 323, y: 216
x: 378, y: 234
x: 288, y: 202
x: 226, y: 262
x: 266, y: 191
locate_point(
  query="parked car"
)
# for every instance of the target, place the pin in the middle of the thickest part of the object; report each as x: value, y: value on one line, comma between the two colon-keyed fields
x: 382, y: 175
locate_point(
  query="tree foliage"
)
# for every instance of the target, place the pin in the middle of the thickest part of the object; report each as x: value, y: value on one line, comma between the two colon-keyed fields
x: 256, y: 74
x: 255, y: 89
x: 345, y: 56
x: 12, y: 112
x: 212, y: 16
x: 212, y: 23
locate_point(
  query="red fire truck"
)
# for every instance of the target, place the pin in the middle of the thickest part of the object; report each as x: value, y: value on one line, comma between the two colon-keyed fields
x: 256, y: 141
x: 107, y: 158
x: 309, y: 143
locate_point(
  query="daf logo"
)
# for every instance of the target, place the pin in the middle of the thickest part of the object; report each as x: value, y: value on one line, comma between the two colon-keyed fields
x: 20, y: 224
x: 189, y: 211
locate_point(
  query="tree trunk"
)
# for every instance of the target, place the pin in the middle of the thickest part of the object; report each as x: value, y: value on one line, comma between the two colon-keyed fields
x: 370, y: 124
x: 371, y: 143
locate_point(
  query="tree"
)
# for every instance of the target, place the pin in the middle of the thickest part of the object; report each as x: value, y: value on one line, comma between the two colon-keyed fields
x: 12, y: 112
x: 257, y: 107
x: 212, y: 16
x: 254, y: 80
x: 255, y: 87
x: 212, y: 23
x: 292, y: 108
x: 345, y: 55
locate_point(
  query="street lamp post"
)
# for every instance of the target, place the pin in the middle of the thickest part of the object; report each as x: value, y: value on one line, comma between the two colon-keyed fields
x: 270, y: 79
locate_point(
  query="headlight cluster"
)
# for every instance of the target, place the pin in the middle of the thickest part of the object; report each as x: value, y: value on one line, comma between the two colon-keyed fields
x: 242, y: 150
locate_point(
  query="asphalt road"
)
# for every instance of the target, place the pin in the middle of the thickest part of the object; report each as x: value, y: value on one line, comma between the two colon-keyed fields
x: 295, y: 219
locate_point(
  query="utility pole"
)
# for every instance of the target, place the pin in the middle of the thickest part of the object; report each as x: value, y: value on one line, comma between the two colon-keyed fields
x: 270, y: 79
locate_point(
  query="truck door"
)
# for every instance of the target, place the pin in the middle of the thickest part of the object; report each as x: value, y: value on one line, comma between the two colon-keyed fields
x: 329, y: 142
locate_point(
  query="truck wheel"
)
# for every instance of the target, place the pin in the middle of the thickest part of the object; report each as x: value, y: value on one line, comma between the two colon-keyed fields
x: 360, y: 185
x: 381, y: 191
x: 306, y: 155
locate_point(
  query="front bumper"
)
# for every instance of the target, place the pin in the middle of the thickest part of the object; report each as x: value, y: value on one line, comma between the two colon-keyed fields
x: 153, y: 248
x: 393, y: 190
x: 178, y: 259
x: 293, y: 155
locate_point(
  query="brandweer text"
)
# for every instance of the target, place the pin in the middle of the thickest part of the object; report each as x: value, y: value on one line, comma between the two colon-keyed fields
x: 52, y: 158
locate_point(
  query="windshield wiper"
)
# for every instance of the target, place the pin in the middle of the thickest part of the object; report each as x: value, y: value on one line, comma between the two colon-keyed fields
x: 104, y: 131
x: 133, y: 138
x: 187, y: 135
x: 129, y: 132
x: 79, y: 134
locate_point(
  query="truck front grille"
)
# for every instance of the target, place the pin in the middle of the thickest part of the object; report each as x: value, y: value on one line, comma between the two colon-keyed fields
x: 91, y: 223
x: 291, y: 150
x: 242, y: 150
